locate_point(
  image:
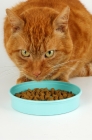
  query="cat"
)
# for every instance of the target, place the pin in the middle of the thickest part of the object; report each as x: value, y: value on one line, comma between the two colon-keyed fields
x: 49, y: 39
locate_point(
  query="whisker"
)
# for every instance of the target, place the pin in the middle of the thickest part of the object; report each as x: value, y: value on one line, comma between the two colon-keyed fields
x: 23, y: 72
x: 54, y: 68
x: 6, y: 66
x: 62, y: 64
x: 6, y: 70
x: 9, y: 73
x: 50, y: 70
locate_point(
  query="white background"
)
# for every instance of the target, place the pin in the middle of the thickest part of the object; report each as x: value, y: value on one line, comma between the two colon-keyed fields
x: 76, y: 125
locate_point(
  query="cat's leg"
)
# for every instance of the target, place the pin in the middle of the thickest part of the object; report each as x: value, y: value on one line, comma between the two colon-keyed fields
x: 22, y: 79
x: 68, y: 72
x: 64, y: 77
x: 86, y: 70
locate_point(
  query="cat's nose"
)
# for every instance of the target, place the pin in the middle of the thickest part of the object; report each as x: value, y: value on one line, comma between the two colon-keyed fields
x: 36, y: 73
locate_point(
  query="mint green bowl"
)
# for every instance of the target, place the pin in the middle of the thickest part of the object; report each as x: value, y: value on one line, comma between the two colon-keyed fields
x: 45, y: 108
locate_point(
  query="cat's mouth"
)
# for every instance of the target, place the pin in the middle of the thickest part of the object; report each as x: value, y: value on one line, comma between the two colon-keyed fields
x: 40, y: 77
x: 35, y: 78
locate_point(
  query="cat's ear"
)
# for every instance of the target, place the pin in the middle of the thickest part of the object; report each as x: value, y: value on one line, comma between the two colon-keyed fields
x: 61, y: 21
x: 16, y: 22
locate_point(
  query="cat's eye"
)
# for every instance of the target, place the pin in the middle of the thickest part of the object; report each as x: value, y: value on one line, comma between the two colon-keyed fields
x: 25, y: 53
x: 49, y: 54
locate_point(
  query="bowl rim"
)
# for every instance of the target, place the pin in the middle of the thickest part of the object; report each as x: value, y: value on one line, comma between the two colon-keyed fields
x: 46, y: 102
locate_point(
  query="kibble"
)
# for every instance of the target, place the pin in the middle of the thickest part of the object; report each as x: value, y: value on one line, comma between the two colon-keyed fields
x: 44, y: 94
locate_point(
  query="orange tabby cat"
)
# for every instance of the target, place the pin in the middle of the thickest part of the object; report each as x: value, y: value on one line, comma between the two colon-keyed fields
x: 49, y: 39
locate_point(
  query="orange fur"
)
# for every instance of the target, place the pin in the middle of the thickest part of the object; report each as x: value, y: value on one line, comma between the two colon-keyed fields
x: 61, y: 27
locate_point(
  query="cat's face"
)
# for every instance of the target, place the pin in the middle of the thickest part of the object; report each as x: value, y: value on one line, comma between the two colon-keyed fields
x: 40, y: 42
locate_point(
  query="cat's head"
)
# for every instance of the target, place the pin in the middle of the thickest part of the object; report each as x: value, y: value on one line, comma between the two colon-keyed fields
x: 39, y: 41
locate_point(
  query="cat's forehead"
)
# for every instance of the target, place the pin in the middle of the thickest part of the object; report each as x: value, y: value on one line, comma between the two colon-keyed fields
x: 40, y: 12
x: 37, y: 50
x: 39, y: 17
x: 38, y: 27
x: 38, y: 22
x: 38, y: 35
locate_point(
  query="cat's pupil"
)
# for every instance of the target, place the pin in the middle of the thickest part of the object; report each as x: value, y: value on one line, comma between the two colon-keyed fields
x: 25, y: 52
x: 49, y: 52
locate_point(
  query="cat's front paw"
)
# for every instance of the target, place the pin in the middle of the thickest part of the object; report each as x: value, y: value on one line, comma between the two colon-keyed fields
x: 63, y: 78
x: 22, y: 79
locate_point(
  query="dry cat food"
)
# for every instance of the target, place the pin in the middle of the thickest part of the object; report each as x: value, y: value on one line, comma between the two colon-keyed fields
x: 44, y: 94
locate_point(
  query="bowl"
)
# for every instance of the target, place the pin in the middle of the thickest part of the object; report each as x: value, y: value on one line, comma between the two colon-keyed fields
x: 45, y: 108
